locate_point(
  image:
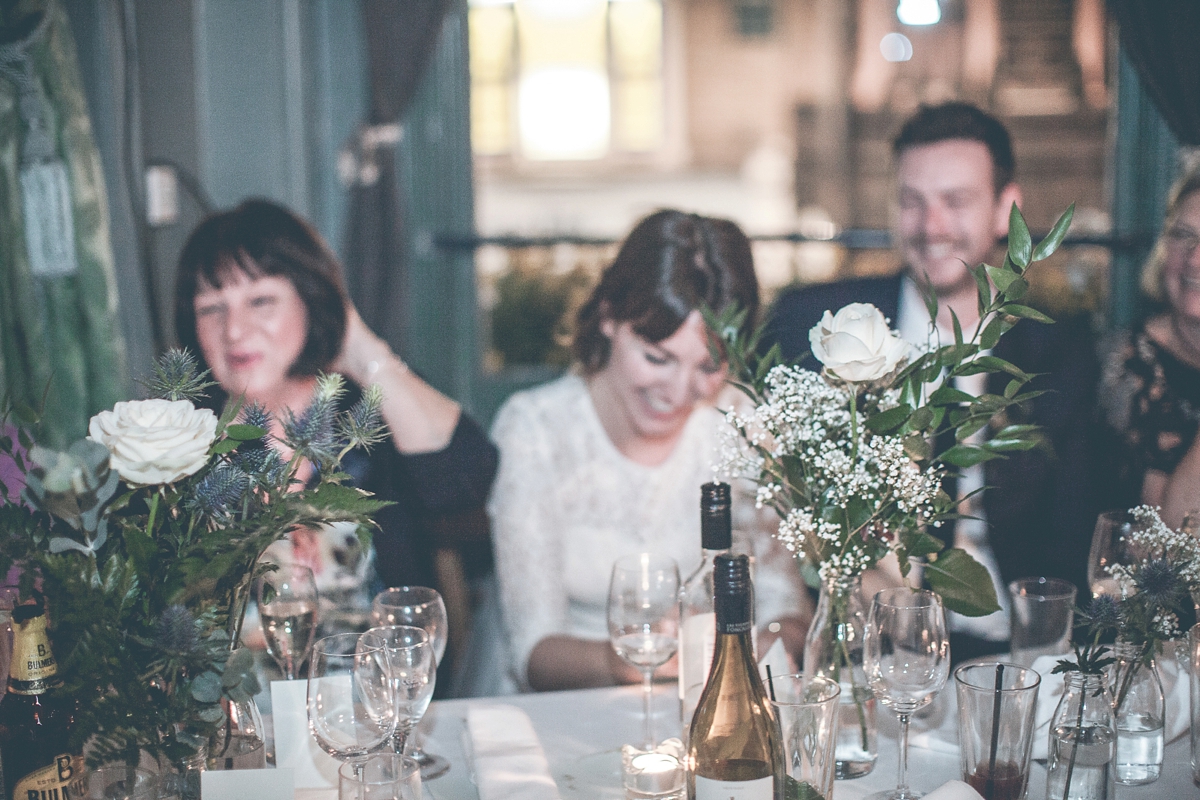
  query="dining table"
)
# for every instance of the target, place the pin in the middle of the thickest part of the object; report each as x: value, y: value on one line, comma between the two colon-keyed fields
x: 581, y: 733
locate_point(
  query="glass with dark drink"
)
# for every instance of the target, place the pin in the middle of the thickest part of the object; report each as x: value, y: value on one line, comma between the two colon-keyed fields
x: 996, y: 704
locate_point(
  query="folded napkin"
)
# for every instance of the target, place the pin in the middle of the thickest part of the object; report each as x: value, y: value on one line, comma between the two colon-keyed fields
x: 1175, y: 688
x: 954, y: 790
x: 508, y: 760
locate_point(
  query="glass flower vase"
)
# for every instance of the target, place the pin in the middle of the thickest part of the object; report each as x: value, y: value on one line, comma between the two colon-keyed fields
x: 1140, y: 711
x: 1082, y: 762
x: 834, y: 649
x: 240, y: 742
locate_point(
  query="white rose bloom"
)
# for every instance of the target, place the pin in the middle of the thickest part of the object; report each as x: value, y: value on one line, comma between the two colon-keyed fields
x: 856, y: 344
x: 155, y: 441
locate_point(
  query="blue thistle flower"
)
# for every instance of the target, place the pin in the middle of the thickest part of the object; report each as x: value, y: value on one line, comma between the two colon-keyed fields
x: 311, y: 434
x: 1103, y: 612
x: 362, y: 425
x: 175, y: 631
x: 255, y: 414
x: 220, y: 489
x: 1158, y: 583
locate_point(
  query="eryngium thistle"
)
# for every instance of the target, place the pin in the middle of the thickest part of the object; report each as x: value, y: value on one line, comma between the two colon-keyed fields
x: 1103, y: 613
x: 220, y: 490
x: 1158, y: 583
x: 311, y: 434
x: 261, y: 463
x: 257, y: 415
x: 175, y: 631
x: 362, y: 425
x: 177, y: 376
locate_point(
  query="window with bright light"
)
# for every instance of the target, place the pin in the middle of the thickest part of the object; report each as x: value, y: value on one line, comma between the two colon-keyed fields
x: 566, y: 80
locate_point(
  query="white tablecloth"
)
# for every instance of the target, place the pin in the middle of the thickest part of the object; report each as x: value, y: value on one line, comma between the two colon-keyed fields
x: 582, y: 730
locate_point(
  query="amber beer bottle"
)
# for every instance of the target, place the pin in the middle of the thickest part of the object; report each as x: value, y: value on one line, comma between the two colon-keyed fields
x: 35, y: 720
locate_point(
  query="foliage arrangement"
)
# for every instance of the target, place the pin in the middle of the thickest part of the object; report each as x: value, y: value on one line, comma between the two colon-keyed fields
x: 845, y: 456
x: 1157, y: 589
x: 144, y: 537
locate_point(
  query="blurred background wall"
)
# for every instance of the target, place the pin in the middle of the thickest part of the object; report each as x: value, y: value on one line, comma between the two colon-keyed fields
x: 540, y: 130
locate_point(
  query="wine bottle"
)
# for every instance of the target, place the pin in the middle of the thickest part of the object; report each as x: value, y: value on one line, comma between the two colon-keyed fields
x: 734, y: 747
x: 697, y: 623
x: 36, y: 720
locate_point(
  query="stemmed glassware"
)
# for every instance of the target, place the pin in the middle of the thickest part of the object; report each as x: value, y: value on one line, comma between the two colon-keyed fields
x: 351, y: 700
x: 906, y: 656
x: 643, y: 619
x: 287, y: 606
x: 424, y: 608
x: 413, y: 673
x: 1111, y: 545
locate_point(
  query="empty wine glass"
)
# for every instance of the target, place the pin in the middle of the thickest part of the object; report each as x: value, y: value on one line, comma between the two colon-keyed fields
x: 643, y: 619
x: 351, y: 701
x: 413, y: 674
x: 287, y: 607
x: 1111, y: 545
x: 421, y: 607
x: 906, y: 656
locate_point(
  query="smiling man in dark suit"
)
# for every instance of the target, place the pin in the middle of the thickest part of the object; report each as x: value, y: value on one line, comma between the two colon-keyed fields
x: 955, y: 180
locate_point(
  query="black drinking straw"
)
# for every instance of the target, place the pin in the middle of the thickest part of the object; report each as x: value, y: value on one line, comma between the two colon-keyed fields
x: 770, y: 683
x: 990, y: 787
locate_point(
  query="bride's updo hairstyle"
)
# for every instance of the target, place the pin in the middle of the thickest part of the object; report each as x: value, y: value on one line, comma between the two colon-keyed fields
x: 670, y: 265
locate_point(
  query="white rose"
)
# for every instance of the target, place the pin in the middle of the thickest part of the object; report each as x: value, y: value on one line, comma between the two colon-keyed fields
x: 856, y: 344
x: 155, y: 441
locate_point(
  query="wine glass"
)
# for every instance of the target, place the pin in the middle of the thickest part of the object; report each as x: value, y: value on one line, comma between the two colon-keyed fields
x: 287, y: 607
x: 643, y: 619
x: 906, y: 656
x: 413, y: 674
x: 421, y: 607
x: 1111, y: 545
x: 351, y: 700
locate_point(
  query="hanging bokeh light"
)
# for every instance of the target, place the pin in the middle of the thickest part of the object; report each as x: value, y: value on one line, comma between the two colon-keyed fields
x: 896, y: 47
x: 919, y: 12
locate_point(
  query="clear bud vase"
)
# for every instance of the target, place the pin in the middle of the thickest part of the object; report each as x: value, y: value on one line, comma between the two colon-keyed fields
x: 1083, y: 742
x: 1140, y: 711
x: 239, y: 743
x: 834, y: 649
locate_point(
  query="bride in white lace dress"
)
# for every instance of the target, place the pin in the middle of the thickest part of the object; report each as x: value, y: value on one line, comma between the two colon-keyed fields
x: 609, y: 459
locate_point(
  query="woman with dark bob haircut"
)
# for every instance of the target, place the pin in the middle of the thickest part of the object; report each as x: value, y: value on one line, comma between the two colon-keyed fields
x: 260, y: 298
x: 610, y: 458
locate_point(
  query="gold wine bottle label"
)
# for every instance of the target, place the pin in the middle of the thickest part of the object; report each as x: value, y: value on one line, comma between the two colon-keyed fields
x: 33, y: 669
x: 65, y: 779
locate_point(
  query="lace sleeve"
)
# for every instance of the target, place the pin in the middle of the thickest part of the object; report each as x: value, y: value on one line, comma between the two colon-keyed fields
x: 524, y: 533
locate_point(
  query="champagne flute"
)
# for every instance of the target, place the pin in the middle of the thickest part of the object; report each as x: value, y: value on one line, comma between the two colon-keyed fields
x: 413, y: 675
x: 906, y: 656
x: 351, y: 700
x: 643, y: 619
x: 287, y: 608
x: 420, y: 607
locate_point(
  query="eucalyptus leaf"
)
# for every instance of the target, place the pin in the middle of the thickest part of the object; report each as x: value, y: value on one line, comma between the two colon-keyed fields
x: 206, y: 688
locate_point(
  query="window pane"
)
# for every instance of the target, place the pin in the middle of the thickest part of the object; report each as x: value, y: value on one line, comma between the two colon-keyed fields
x: 563, y: 93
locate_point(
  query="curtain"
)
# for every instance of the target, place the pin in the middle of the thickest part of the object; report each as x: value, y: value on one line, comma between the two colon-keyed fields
x: 400, y: 40
x: 59, y: 335
x: 1160, y: 38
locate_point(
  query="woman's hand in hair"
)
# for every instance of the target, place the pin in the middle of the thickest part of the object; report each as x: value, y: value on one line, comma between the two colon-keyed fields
x: 421, y: 419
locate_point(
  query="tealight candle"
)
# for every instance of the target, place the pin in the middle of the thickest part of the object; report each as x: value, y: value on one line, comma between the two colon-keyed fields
x: 656, y: 773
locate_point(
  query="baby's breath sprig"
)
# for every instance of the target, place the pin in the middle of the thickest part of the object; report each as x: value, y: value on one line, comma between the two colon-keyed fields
x: 177, y: 376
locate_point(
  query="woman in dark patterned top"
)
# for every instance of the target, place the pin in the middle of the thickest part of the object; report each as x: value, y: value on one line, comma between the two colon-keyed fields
x: 1152, y: 382
x: 260, y: 299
